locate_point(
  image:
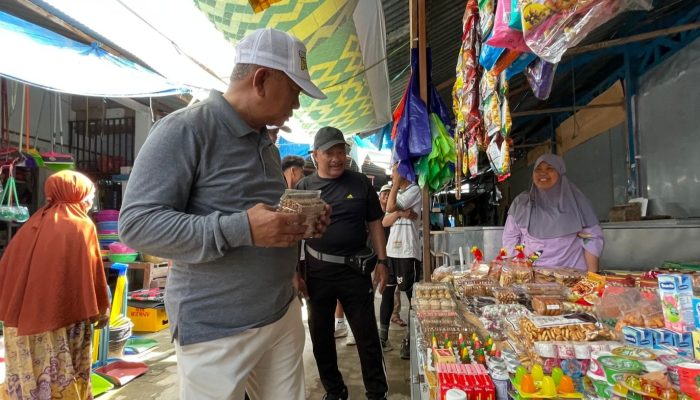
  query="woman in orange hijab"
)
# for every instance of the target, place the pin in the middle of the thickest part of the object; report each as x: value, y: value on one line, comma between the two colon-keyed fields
x: 53, y: 288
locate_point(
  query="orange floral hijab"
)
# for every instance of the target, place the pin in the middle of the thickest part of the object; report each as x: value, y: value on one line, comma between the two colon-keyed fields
x: 51, y: 274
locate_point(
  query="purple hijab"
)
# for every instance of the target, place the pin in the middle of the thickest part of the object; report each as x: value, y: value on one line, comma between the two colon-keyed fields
x: 560, y: 211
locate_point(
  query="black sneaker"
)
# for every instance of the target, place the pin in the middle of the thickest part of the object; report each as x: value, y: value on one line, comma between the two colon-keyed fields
x: 341, y: 396
x: 405, y: 351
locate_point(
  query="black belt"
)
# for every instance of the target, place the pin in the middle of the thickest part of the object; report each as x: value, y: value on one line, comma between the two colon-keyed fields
x: 325, y: 257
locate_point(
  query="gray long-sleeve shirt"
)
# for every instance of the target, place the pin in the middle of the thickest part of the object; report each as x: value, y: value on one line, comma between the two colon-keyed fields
x: 198, y: 171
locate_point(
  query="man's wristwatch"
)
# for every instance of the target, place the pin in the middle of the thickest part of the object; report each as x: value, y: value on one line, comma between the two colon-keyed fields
x: 382, y: 261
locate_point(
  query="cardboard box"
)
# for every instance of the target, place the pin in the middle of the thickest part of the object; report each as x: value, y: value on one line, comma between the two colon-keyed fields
x: 696, y: 312
x: 696, y: 344
x: 443, y: 356
x: 676, y: 292
x: 660, y: 338
x: 637, y: 336
x: 148, y: 319
x: 683, y: 342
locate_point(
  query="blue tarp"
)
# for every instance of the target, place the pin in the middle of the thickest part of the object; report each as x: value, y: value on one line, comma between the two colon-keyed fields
x: 42, y: 58
x: 288, y: 148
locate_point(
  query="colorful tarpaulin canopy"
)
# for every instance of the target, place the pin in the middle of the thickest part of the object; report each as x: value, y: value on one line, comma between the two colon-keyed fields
x: 45, y: 59
x: 346, y: 42
x: 192, y: 44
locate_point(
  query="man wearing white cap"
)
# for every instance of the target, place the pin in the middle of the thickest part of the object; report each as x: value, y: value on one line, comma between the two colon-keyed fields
x: 201, y: 193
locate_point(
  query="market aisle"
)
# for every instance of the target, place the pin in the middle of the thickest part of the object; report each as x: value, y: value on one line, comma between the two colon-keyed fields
x: 161, y: 382
x: 398, y: 370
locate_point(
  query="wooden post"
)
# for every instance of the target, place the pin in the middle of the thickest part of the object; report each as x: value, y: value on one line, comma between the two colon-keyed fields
x: 418, y: 20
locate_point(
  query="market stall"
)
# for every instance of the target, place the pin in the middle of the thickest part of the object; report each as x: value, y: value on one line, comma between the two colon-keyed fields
x: 681, y: 235
x: 510, y: 330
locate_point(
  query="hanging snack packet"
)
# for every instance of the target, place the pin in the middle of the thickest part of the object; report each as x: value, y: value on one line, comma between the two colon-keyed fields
x: 503, y: 35
x: 489, y: 56
x: 491, y: 108
x: 306, y: 202
x: 487, y: 13
x: 550, y: 27
x: 473, y: 157
x: 506, y: 121
x: 540, y: 76
x: 515, y: 20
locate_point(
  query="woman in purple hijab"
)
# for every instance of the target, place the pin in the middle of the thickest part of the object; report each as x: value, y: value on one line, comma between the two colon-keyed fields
x: 556, y: 218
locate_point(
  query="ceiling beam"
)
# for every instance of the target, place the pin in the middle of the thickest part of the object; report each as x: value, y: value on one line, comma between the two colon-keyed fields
x: 632, y: 39
x: 562, y: 109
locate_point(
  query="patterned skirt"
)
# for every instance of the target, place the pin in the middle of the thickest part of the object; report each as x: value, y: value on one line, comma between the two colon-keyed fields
x: 49, y: 365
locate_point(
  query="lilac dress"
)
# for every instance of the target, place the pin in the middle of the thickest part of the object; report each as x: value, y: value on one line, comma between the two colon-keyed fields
x: 553, y: 220
x: 565, y: 251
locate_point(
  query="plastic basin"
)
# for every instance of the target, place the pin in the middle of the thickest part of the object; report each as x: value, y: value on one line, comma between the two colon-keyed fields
x: 120, y: 248
x: 123, y: 258
x: 106, y: 215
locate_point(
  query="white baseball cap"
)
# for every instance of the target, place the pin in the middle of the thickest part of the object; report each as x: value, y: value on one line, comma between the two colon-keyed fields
x: 278, y: 50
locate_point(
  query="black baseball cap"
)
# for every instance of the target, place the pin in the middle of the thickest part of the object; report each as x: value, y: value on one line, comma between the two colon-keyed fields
x: 328, y: 137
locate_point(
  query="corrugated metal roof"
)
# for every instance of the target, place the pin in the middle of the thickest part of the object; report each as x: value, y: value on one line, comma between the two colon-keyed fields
x: 444, y: 37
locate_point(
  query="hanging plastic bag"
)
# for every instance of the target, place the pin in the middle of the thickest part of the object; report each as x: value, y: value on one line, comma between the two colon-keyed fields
x: 552, y: 27
x: 489, y: 55
x: 438, y: 107
x: 413, y: 130
x: 10, y: 210
x: 519, y: 64
x: 416, y: 115
x: 398, y: 113
x: 502, y: 34
x: 540, y: 76
x: 515, y: 20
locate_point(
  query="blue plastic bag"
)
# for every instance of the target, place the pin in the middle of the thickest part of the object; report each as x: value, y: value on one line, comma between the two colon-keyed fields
x: 413, y: 138
x: 489, y: 55
x: 519, y: 65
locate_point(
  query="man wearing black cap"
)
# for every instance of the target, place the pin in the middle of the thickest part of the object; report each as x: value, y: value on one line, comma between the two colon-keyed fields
x: 332, y: 272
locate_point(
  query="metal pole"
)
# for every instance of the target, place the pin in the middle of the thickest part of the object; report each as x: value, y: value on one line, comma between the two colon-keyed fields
x: 630, y: 90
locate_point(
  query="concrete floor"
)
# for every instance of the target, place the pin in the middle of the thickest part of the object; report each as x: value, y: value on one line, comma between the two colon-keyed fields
x: 161, y: 382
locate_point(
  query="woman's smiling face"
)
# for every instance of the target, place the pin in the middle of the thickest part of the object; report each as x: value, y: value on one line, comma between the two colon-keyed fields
x: 545, y: 176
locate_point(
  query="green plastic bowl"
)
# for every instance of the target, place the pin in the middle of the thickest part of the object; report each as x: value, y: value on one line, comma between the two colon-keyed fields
x: 123, y: 258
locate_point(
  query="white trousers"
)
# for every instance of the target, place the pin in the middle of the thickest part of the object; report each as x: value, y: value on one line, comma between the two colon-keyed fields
x: 266, y: 362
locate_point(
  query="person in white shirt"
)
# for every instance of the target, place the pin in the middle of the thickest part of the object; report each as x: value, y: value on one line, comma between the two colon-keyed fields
x: 403, y: 249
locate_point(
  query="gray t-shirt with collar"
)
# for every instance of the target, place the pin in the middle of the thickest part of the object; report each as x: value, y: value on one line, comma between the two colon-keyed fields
x: 198, y: 171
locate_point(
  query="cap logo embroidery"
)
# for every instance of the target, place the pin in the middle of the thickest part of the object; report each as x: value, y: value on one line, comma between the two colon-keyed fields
x: 349, y: 196
x: 302, y: 60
